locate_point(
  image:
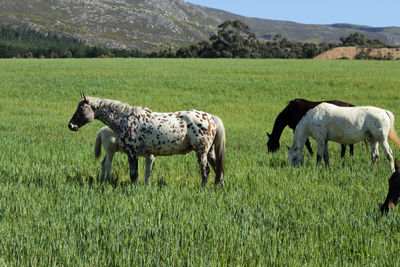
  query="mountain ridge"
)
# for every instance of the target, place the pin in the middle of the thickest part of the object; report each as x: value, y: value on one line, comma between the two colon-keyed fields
x: 158, y: 24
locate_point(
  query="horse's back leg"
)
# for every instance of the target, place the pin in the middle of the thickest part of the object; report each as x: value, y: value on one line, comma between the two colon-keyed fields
x: 388, y: 152
x: 326, y: 154
x: 213, y: 162
x: 374, y: 151
x: 149, y: 164
x: 308, y: 145
x: 343, y: 152
x: 351, y: 150
x: 204, y: 169
x: 103, y: 167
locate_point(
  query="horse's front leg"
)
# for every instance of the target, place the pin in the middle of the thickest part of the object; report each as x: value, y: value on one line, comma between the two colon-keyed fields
x: 149, y: 164
x: 133, y: 164
x: 320, y: 151
x: 351, y: 150
x: 308, y: 146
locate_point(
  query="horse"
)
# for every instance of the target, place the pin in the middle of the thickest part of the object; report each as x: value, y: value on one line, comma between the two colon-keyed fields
x: 345, y: 125
x: 393, y: 196
x: 291, y: 115
x: 112, y: 145
x: 143, y: 132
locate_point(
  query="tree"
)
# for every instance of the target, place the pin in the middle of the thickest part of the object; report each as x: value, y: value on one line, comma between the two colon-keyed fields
x: 233, y: 39
x: 354, y: 39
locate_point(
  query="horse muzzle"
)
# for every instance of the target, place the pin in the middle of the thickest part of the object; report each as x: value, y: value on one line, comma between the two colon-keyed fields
x: 73, y: 127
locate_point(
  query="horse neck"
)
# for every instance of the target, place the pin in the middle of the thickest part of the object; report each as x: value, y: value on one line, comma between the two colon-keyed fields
x: 300, y: 134
x: 113, y: 118
x: 280, y: 123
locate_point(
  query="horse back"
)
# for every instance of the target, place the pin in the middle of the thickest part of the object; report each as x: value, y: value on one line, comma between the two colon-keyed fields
x: 297, y: 108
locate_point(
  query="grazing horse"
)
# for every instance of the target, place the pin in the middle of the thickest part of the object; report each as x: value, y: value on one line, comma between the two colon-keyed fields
x: 393, y: 196
x: 345, y: 125
x: 112, y: 144
x: 143, y: 132
x: 291, y: 116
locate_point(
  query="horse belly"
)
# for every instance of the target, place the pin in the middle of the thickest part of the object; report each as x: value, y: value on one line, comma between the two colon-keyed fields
x: 163, y: 141
x: 346, y: 137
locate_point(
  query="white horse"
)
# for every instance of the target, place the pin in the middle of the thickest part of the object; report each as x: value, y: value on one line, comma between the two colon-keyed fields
x: 345, y: 125
x: 112, y: 145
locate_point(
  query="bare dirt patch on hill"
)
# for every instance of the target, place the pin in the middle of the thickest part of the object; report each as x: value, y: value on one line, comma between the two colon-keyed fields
x: 353, y: 52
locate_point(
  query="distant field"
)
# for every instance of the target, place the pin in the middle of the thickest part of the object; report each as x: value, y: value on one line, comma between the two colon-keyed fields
x: 54, y: 212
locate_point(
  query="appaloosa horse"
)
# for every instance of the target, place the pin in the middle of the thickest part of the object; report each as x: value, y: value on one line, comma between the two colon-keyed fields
x: 143, y: 133
x: 291, y: 116
x: 345, y: 125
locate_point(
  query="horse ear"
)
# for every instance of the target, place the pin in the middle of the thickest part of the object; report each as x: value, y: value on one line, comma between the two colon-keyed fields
x: 396, y: 165
x: 84, y: 98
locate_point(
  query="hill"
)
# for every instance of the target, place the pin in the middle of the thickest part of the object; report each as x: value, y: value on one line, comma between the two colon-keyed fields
x: 154, y: 24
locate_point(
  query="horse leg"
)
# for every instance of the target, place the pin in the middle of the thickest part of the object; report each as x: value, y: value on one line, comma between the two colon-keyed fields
x: 351, y: 150
x: 213, y: 162
x: 320, y: 151
x: 388, y: 152
x: 343, y: 152
x: 149, y: 164
x: 374, y: 151
x: 326, y: 154
x: 308, y: 145
x: 108, y: 164
x: 103, y: 167
x: 204, y: 169
x: 133, y: 164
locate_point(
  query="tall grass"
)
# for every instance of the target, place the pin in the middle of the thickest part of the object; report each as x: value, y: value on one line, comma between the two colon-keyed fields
x: 54, y: 211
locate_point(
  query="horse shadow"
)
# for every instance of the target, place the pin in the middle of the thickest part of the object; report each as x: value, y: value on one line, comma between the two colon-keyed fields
x: 82, y: 179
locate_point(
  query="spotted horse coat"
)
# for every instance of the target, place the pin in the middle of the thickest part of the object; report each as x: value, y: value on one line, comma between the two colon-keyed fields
x: 144, y: 133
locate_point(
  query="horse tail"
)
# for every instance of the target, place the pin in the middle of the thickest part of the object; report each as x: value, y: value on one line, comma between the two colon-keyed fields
x: 97, y: 145
x: 392, y: 133
x: 219, y: 143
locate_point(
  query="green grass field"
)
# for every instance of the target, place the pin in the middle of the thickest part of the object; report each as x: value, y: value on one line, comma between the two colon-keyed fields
x: 53, y: 211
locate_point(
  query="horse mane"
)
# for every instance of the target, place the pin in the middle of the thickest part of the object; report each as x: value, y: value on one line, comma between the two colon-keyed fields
x: 116, y: 105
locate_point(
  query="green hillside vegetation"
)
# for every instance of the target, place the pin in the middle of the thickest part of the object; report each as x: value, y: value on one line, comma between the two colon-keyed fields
x: 234, y: 39
x: 54, y: 211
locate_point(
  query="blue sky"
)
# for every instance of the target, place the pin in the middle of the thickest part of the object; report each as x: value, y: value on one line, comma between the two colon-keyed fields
x: 376, y: 13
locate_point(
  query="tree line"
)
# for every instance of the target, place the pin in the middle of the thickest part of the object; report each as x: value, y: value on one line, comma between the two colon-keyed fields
x: 233, y: 40
x: 23, y: 43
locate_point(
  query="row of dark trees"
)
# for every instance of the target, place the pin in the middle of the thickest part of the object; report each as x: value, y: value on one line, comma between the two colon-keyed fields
x: 29, y: 43
x: 233, y: 40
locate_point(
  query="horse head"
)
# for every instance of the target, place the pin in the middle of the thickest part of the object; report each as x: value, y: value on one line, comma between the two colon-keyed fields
x: 295, y: 156
x: 273, y: 144
x: 83, y: 114
x: 393, y: 196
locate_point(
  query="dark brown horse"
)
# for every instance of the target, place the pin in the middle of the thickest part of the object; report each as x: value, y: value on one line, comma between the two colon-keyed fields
x: 291, y: 116
x: 393, y: 196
